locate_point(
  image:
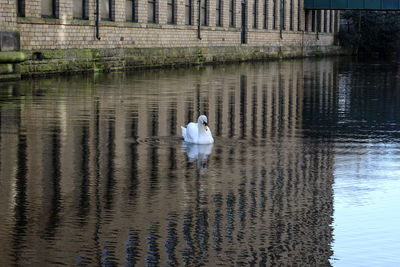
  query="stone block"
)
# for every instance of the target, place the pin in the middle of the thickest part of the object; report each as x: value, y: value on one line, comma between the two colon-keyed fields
x: 9, y: 41
x: 6, y: 68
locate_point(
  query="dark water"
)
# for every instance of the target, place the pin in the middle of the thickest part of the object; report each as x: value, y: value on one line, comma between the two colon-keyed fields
x: 304, y: 170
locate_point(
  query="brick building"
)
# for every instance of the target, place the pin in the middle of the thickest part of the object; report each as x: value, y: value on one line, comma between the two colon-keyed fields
x: 121, y: 34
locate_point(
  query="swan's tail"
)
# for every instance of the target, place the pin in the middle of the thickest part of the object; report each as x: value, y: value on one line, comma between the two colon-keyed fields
x: 183, y: 132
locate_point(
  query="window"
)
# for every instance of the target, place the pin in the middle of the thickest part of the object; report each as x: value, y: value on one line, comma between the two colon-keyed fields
x: 319, y: 21
x: 232, y: 13
x: 151, y: 11
x: 255, y: 13
x: 291, y: 25
x: 171, y: 11
x: 283, y: 15
x: 131, y: 10
x: 331, y: 21
x: 313, y: 28
x: 48, y: 8
x: 21, y: 8
x: 274, y: 7
x: 106, y: 9
x: 298, y: 15
x: 188, y: 12
x: 80, y: 9
x: 204, y: 14
x: 325, y: 21
x: 219, y: 13
x: 308, y: 13
x: 265, y: 13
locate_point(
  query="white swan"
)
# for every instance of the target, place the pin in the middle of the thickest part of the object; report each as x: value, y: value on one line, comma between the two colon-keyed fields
x: 198, y: 133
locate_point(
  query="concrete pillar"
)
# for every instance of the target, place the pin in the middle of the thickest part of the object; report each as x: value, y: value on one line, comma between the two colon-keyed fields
x: 336, y: 21
x: 196, y: 8
x: 308, y: 20
x: 270, y: 15
x: 288, y: 14
x: 301, y: 27
x: 142, y: 11
x: 296, y: 15
x: 119, y: 11
x: 322, y: 21
x: 66, y: 8
x: 260, y: 13
x: 180, y: 12
x: 278, y: 14
x: 225, y: 13
x: 212, y: 13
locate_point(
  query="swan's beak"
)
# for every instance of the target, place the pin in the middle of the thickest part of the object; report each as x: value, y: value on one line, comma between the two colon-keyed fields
x: 205, y: 125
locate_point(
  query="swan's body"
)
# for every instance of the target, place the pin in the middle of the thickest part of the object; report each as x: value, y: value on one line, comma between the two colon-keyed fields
x: 198, y: 133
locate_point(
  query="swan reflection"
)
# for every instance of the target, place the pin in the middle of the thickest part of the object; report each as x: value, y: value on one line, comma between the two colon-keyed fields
x: 197, y: 152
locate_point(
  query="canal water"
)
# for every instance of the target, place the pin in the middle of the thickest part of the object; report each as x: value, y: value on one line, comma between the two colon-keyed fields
x: 304, y: 171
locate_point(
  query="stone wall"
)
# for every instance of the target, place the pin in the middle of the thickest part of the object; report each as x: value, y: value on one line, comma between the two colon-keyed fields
x: 46, y: 40
x: 8, y: 15
x: 52, y: 34
x: 64, y: 32
x: 88, y: 60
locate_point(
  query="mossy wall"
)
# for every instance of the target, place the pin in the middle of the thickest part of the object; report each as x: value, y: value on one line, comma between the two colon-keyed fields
x: 45, y: 62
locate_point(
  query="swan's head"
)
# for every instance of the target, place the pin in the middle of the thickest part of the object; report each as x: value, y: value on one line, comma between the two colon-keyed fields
x: 202, y: 120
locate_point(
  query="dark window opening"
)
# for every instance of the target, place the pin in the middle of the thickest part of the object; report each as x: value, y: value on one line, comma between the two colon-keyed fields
x: 21, y: 8
x: 255, y: 13
x: 219, y: 13
x: 265, y: 11
x: 232, y: 13
x: 171, y: 12
x: 204, y: 14
x: 188, y: 12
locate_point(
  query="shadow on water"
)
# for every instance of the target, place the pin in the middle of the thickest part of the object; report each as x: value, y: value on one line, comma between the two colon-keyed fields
x: 93, y: 170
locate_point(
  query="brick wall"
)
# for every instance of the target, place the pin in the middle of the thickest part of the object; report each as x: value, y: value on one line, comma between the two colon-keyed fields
x: 66, y: 33
x: 8, y: 15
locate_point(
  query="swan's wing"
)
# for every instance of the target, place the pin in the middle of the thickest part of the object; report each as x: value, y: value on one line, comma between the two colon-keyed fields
x: 183, y: 132
x: 192, y: 132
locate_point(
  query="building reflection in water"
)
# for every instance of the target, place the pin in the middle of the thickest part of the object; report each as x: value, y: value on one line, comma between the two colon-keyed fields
x: 94, y: 172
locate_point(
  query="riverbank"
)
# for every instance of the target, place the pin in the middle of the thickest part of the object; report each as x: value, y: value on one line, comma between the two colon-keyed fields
x: 62, y: 61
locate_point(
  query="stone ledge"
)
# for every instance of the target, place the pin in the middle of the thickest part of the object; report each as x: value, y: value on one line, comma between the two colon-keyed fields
x: 105, y: 60
x: 12, y: 57
x: 55, y: 21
